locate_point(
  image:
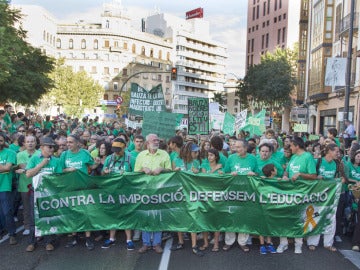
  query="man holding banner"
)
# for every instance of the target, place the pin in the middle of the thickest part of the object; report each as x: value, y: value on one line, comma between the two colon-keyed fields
x: 301, y: 166
x: 152, y: 161
x: 240, y: 163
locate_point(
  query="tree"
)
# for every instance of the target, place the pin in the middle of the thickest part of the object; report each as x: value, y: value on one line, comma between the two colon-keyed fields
x: 270, y: 83
x: 74, y: 91
x: 23, y: 69
x: 220, y: 97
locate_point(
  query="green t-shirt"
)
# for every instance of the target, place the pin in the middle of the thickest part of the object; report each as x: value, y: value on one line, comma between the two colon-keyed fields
x: 173, y: 155
x: 14, y: 147
x: 117, y: 165
x: 261, y: 163
x: 303, y: 163
x: 186, y: 166
x: 48, y: 125
x: 241, y: 165
x: 79, y: 160
x: 54, y: 165
x: 327, y: 169
x: 223, y: 159
x: 354, y: 171
x: 207, y: 168
x: 23, y: 157
x: 6, y: 156
x: 279, y: 157
x: 133, y: 155
x: 7, y: 118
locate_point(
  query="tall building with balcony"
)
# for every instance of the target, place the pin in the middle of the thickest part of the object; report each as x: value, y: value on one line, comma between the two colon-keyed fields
x: 329, y: 37
x: 110, y: 50
x: 199, y: 59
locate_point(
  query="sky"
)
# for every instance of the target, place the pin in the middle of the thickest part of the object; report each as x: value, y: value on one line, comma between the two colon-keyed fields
x: 227, y: 19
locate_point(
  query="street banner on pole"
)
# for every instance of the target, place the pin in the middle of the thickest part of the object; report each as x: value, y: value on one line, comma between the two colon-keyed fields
x: 300, y: 128
x: 142, y: 100
x: 183, y: 202
x: 163, y: 124
x: 198, y: 110
x: 335, y: 71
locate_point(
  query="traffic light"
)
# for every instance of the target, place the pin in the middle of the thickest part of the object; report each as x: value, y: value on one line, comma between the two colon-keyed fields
x: 174, y: 74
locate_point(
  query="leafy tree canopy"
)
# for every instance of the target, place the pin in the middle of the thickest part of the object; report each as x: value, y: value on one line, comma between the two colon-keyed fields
x: 23, y: 68
x: 270, y: 83
x: 74, y: 91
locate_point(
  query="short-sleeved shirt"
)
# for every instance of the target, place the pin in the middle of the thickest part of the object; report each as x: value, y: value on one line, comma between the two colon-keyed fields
x: 186, y: 166
x: 116, y: 164
x: 207, y: 168
x: 173, y: 155
x: 53, y: 166
x: 261, y: 163
x: 354, y: 171
x: 6, y: 156
x: 241, y: 165
x: 79, y: 160
x: 23, y: 157
x: 303, y: 163
x: 160, y: 159
x: 327, y: 169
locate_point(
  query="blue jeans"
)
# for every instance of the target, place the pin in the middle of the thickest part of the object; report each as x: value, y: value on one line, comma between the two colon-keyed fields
x: 7, y: 212
x: 146, y: 238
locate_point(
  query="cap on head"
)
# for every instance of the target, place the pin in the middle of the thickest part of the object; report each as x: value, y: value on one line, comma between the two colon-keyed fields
x: 117, y: 145
x: 47, y: 141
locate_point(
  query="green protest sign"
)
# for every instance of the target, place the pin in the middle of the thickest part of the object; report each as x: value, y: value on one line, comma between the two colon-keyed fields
x: 254, y: 121
x: 198, y: 110
x: 181, y: 201
x: 229, y: 124
x: 300, y: 128
x: 313, y: 137
x: 163, y: 124
x: 142, y: 100
x: 255, y: 124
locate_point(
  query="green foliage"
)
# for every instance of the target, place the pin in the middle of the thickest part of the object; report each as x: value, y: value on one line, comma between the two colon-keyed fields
x: 23, y: 68
x: 270, y: 83
x: 74, y: 91
x: 220, y: 98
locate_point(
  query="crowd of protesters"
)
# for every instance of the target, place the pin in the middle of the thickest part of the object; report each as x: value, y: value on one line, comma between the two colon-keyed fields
x: 30, y: 144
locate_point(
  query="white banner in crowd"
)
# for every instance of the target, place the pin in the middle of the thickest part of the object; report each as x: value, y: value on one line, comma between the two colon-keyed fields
x: 240, y: 120
x: 217, y: 120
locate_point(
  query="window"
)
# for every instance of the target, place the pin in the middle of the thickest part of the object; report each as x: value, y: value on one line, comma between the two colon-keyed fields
x: 249, y: 30
x: 257, y: 11
x: 151, y: 52
x: 106, y: 70
x: 280, y: 3
x: 106, y: 97
x: 253, y: 17
x: 93, y: 69
x: 83, y: 44
x: 142, y: 50
x: 160, y: 54
x: 284, y: 34
x: 249, y: 44
x: 264, y: 8
x: 58, y: 43
x: 168, y: 56
x: 167, y: 79
x: 125, y: 45
x: 279, y: 19
x: 83, y: 56
x: 264, y: 24
x: 284, y: 16
x: 81, y: 68
x: 267, y: 40
x: 107, y: 24
x: 116, y: 44
x: 257, y: 27
x: 262, y: 41
x: 275, y: 19
x: 106, y: 44
x: 133, y: 48
x: 44, y: 35
x: 275, y: 6
x: 116, y: 71
x: 268, y: 6
x: 159, y: 77
x: 116, y: 85
x: 96, y: 56
x: 71, y: 44
x: 279, y: 36
x: 124, y: 71
x: 96, y: 44
x: 267, y: 22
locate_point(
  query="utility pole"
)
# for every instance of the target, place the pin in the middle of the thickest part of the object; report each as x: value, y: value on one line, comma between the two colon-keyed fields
x: 348, y: 64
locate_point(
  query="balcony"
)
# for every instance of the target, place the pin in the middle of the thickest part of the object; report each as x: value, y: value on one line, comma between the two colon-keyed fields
x: 343, y: 28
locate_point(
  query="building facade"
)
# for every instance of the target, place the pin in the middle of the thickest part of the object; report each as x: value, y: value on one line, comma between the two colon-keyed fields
x: 200, y: 60
x: 329, y: 27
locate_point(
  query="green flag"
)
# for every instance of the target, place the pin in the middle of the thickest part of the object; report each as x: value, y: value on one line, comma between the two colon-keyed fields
x: 255, y: 124
x: 229, y: 124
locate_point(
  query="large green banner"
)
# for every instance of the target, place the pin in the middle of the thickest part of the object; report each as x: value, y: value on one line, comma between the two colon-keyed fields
x: 163, y: 124
x: 180, y: 201
x: 142, y: 100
